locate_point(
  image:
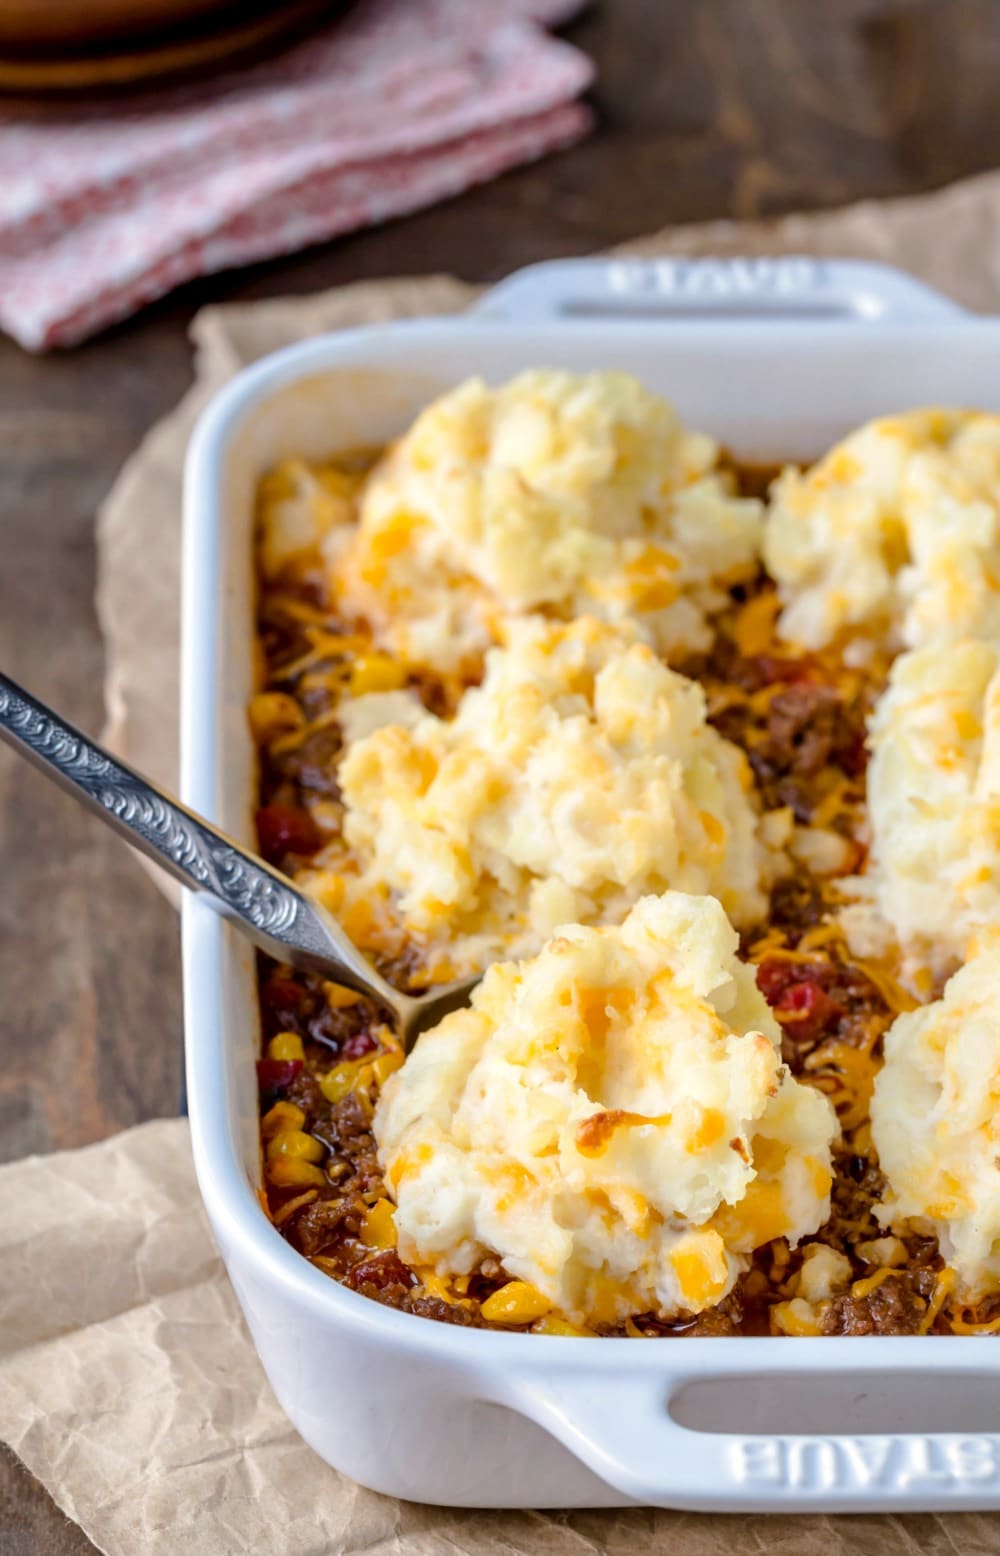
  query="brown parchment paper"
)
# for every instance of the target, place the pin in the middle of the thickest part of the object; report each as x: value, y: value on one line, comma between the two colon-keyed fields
x: 128, y: 1383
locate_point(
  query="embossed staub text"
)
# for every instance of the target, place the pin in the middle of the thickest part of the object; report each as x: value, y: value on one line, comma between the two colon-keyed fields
x: 811, y: 1464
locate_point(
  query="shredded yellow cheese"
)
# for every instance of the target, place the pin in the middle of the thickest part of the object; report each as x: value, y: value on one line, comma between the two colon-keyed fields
x: 945, y: 1283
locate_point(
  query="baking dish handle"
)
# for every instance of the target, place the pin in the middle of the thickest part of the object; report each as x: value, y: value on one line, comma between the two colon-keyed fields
x: 784, y: 287
x: 623, y: 1429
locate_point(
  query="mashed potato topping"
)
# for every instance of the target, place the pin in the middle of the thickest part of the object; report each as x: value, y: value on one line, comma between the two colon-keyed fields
x: 936, y: 1122
x: 934, y: 800
x: 893, y: 539
x: 568, y: 493
x: 612, y: 1120
x: 300, y: 507
x: 581, y: 775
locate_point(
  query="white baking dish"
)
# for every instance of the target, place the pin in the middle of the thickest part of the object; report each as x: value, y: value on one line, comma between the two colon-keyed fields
x: 777, y: 358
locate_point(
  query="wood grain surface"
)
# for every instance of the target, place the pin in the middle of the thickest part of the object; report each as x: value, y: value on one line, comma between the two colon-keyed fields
x: 707, y: 108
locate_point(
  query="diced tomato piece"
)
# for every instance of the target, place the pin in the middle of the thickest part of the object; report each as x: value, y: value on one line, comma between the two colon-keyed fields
x: 357, y: 1045
x: 274, y: 1075
x: 807, y: 1010
x: 775, y: 975
x: 286, y: 829
x: 778, y: 973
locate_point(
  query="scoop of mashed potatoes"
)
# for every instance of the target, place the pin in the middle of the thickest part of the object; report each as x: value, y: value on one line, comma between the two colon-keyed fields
x: 300, y: 507
x: 569, y: 493
x: 612, y: 1120
x: 893, y: 539
x: 936, y: 1122
x: 580, y: 776
x: 934, y: 800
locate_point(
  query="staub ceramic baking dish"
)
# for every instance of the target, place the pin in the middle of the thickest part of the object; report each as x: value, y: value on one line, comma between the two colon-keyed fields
x: 777, y: 358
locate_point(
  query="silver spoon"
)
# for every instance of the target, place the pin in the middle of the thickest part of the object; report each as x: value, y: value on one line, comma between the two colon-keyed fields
x: 268, y: 907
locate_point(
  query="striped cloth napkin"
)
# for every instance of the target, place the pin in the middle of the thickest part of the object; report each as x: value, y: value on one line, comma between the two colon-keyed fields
x: 104, y: 207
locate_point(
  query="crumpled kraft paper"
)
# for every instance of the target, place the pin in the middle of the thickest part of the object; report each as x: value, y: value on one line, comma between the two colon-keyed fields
x: 128, y: 1384
x: 130, y: 1387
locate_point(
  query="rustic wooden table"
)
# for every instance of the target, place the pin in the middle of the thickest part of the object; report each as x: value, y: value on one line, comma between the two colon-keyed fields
x: 707, y: 108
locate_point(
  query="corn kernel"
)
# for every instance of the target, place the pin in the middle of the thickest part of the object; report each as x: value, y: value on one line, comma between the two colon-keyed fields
x: 376, y: 673
x: 515, y: 1303
x: 291, y: 1172
x: 286, y: 1045
x: 384, y: 1064
x: 283, y: 1116
x: 336, y: 1083
x: 272, y: 714
x: 443, y: 970
x: 329, y: 888
x: 295, y: 1142
x: 359, y: 919
x: 551, y: 1324
x: 378, y: 1230
x: 339, y: 998
x: 365, y: 1105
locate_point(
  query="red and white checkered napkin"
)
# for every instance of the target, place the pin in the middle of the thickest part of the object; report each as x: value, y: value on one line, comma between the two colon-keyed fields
x: 401, y: 103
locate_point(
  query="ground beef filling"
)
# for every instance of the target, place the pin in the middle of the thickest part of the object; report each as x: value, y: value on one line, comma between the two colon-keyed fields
x: 801, y: 722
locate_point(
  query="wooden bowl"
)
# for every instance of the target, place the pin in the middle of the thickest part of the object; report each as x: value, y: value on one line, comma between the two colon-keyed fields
x: 52, y: 47
x: 35, y: 26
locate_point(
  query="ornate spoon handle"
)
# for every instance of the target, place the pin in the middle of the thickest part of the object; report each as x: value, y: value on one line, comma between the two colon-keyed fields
x: 277, y: 916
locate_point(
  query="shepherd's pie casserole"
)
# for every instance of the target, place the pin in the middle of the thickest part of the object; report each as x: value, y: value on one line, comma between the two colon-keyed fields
x: 554, y: 688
